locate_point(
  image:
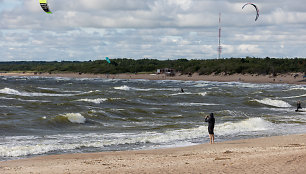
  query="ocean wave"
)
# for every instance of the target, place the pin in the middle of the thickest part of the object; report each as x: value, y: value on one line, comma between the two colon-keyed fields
x: 5, y: 98
x: 296, y: 88
x: 297, y: 96
x: 202, y: 93
x: 70, y: 117
x: 75, y: 118
x: 30, y: 94
x: 275, y: 103
x: 128, y: 88
x: 180, y: 93
x: 36, y: 145
x: 202, y: 84
x: 189, y: 93
x: 124, y: 87
x: 248, y: 125
x: 196, y: 104
x: 96, y: 101
x: 59, y: 90
x: 23, y: 100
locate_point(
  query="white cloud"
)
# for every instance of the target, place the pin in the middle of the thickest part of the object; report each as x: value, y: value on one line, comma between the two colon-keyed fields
x: 93, y: 29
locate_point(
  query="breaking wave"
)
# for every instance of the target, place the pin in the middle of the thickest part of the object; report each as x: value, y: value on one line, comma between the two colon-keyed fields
x: 248, y: 125
x: 60, y: 142
x: 35, y: 94
x: 96, y: 101
x: 275, y: 103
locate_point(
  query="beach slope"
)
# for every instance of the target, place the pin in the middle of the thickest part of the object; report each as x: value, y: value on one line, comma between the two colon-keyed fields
x: 280, y: 154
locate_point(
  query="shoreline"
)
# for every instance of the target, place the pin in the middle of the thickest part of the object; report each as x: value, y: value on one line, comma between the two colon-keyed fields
x: 292, y: 78
x: 278, y: 154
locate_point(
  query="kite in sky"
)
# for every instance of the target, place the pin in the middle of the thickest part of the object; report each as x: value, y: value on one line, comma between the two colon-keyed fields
x: 107, y: 59
x: 44, y: 6
x: 257, y: 11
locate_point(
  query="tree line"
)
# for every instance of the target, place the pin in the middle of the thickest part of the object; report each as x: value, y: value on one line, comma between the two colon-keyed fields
x: 124, y: 65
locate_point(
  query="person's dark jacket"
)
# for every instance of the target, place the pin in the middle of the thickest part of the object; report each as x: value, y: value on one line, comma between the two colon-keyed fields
x: 211, y: 121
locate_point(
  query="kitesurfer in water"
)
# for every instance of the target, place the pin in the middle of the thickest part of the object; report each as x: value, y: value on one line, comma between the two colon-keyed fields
x: 298, y: 106
x: 211, y: 125
x: 182, y: 90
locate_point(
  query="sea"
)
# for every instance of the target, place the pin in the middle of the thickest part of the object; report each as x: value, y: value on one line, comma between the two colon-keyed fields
x: 57, y: 115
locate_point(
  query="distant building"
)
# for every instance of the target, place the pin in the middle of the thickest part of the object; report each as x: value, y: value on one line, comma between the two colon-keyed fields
x: 167, y: 71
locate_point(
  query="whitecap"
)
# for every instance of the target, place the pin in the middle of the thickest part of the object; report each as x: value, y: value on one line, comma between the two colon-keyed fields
x: 275, y: 103
x: 15, y: 92
x: 75, y: 118
x: 124, y: 87
x: 196, y: 104
x: 298, y: 96
x: 248, y: 125
x: 202, y: 93
x: 96, y: 101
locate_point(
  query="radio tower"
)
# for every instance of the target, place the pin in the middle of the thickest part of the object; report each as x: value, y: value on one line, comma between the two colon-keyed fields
x: 219, y: 46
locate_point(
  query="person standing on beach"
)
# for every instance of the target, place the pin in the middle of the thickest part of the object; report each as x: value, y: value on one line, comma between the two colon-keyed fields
x: 211, y: 125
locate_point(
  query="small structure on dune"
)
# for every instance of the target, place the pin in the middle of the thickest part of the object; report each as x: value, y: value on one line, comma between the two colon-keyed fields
x: 166, y: 71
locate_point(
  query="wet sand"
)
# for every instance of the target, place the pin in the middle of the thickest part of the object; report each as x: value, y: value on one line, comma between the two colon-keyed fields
x: 281, y: 154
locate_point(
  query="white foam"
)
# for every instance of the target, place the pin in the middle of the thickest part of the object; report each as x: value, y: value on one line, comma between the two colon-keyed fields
x: 181, y: 93
x: 275, y: 103
x: 75, y: 118
x: 59, y: 90
x: 203, y: 84
x: 202, y: 93
x: 296, y: 88
x: 304, y: 95
x: 15, y: 92
x: 196, y: 104
x: 124, y: 87
x: 21, y: 146
x: 127, y: 88
x: 96, y: 101
x: 189, y: 93
x: 5, y: 98
x: 248, y: 125
x: 40, y: 148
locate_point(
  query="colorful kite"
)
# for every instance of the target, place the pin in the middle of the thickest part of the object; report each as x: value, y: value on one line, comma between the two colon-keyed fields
x: 44, y: 6
x: 107, y: 59
x: 257, y: 11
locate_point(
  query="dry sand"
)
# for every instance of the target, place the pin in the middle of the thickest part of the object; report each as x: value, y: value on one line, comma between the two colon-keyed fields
x: 282, y: 78
x: 281, y: 154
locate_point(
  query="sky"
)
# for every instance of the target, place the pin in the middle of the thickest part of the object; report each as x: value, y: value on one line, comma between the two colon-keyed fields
x: 82, y: 30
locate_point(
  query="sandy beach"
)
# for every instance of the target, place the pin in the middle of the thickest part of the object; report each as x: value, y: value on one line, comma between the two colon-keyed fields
x: 292, y: 78
x: 281, y: 154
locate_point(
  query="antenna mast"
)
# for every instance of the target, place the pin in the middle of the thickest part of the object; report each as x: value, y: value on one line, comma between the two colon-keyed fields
x: 219, y: 46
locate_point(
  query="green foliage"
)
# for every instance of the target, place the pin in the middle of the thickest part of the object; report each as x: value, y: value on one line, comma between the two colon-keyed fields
x: 228, y: 66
